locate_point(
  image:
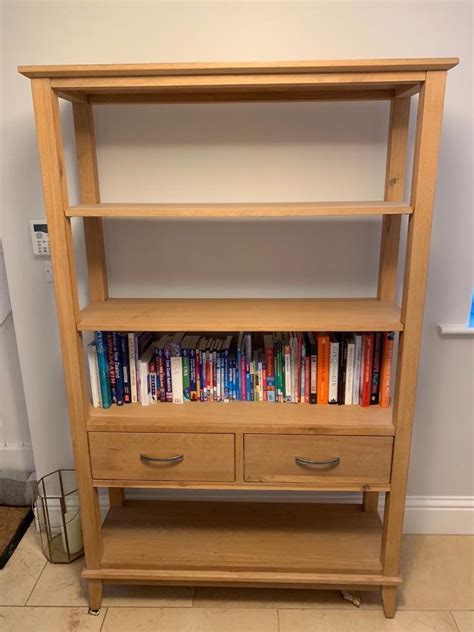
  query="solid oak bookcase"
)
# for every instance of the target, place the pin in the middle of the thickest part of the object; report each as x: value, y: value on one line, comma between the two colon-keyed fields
x: 242, y: 445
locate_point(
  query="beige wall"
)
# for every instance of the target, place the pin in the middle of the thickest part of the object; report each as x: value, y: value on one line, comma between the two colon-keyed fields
x: 243, y: 152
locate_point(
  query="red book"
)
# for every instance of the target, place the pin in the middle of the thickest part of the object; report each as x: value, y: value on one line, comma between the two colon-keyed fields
x: 323, y: 368
x: 367, y: 362
x: 386, y: 368
x: 270, y: 368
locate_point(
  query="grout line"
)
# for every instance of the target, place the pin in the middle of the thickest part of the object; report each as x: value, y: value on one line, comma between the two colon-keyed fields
x: 103, y: 620
x: 454, y: 620
x: 36, y: 583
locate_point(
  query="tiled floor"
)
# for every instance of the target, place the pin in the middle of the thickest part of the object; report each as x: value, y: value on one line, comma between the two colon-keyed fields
x: 437, y: 596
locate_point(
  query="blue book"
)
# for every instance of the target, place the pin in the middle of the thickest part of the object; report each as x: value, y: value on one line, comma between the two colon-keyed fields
x: 118, y: 368
x: 103, y: 370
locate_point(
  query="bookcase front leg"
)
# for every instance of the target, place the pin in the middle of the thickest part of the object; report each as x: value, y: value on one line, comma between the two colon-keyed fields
x: 430, y: 111
x: 51, y: 155
x: 94, y: 588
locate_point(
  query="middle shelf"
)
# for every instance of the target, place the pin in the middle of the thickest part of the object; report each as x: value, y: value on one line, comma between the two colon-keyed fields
x: 240, y: 314
x: 243, y: 417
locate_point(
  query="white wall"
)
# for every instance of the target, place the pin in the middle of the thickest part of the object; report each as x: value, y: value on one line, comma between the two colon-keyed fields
x: 246, y: 152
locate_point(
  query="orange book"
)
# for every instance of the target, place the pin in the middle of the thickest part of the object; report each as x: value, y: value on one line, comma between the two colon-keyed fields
x: 322, y: 390
x: 386, y: 368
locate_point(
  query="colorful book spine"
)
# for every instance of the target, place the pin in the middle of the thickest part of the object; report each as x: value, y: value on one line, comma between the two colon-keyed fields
x: 334, y: 350
x: 349, y: 386
x: 323, y: 369
x: 111, y: 364
x: 313, y: 359
x: 386, y: 368
x: 376, y: 363
x: 366, y: 374
x: 117, y: 368
x: 132, y: 367
x: 168, y: 380
x: 105, y: 392
x: 186, y: 375
x: 357, y: 368
x: 127, y: 397
x: 270, y: 367
x: 341, y: 375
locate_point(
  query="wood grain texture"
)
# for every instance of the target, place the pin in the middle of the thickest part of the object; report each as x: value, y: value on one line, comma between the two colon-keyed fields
x: 328, y: 486
x: 251, y: 537
x: 244, y: 417
x: 116, y: 496
x: 206, y: 457
x: 321, y: 93
x: 394, y: 192
x: 216, y: 68
x: 271, y: 458
x: 430, y: 113
x: 214, y: 314
x: 220, y: 210
x: 89, y: 193
x: 51, y: 155
x: 242, y: 578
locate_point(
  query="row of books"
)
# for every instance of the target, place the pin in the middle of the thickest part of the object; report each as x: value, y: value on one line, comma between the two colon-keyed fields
x: 312, y: 368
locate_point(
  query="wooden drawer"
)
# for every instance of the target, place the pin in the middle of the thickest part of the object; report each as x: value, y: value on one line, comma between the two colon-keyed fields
x: 281, y: 459
x: 132, y: 456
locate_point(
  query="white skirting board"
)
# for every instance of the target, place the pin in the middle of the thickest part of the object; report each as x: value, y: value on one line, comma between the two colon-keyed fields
x: 453, y: 515
x: 19, y: 458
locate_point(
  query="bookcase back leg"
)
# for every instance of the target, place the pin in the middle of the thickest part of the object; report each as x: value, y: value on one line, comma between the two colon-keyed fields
x: 395, y: 174
x: 51, y: 155
x: 430, y: 112
x: 93, y: 228
x: 90, y: 194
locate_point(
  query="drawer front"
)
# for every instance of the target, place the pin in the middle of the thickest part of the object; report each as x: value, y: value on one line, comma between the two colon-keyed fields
x: 303, y: 458
x: 162, y: 456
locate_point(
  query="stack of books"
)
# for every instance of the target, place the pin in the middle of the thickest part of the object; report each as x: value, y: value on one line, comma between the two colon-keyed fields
x: 301, y: 367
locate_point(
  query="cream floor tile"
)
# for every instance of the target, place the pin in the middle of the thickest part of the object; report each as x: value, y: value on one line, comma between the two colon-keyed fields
x: 437, y: 571
x: 61, y: 585
x: 464, y: 620
x: 364, y: 621
x: 267, y: 598
x: 22, y: 570
x: 28, y: 619
x: 190, y: 620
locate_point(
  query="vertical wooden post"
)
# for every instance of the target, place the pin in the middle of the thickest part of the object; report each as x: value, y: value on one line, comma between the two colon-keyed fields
x: 430, y: 113
x: 390, y: 243
x: 93, y: 229
x: 51, y: 155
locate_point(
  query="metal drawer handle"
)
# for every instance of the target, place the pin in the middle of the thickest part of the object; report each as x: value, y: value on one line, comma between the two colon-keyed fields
x: 170, y: 459
x: 300, y: 461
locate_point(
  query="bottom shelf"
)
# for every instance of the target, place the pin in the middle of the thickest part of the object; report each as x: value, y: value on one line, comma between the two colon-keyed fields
x: 241, y: 544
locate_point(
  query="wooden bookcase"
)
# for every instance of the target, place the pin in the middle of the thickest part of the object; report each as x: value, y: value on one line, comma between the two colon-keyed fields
x: 242, y: 445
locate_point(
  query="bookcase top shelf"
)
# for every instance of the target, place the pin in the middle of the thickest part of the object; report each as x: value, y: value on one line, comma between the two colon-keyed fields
x: 240, y: 209
x: 240, y: 314
x: 239, y: 81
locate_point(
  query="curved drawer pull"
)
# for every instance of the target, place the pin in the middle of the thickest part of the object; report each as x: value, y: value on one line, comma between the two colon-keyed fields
x: 300, y: 461
x: 170, y: 459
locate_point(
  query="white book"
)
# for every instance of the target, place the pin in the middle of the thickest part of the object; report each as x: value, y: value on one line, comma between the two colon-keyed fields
x: 94, y: 375
x: 177, y: 379
x: 357, y: 368
x: 133, y: 368
x: 333, y: 370
x: 349, y: 372
x: 143, y: 363
x: 287, y: 370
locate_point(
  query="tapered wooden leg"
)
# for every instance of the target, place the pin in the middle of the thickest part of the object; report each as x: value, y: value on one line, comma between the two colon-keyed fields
x: 116, y: 496
x: 389, y: 600
x: 370, y: 502
x: 94, y: 587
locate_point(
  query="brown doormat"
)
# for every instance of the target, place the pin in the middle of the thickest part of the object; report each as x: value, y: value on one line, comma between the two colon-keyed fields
x: 14, y: 521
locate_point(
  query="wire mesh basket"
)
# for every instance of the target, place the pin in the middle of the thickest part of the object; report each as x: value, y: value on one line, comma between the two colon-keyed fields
x: 58, y: 516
